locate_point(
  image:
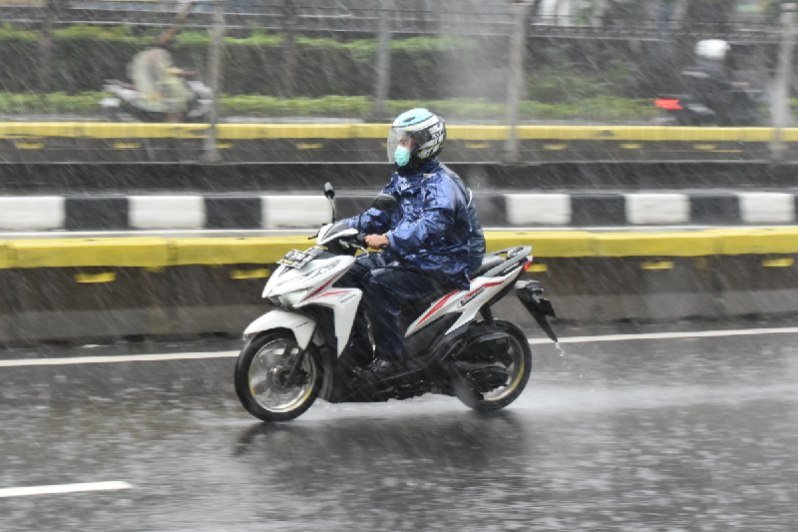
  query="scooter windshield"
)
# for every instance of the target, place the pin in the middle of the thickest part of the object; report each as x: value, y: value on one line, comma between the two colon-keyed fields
x: 395, y: 138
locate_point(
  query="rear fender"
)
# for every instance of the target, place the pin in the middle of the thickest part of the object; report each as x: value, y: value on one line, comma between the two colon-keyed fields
x: 530, y: 294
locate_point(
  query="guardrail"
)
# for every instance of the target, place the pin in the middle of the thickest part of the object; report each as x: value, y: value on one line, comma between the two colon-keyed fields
x: 70, y: 289
x: 105, y: 142
x: 300, y: 211
x: 468, y: 18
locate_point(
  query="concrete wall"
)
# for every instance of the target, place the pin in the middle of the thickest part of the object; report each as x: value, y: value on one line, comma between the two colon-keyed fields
x: 364, y: 143
x: 213, y: 286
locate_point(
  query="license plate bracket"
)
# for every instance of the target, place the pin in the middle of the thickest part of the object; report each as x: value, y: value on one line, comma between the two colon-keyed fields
x: 298, y: 259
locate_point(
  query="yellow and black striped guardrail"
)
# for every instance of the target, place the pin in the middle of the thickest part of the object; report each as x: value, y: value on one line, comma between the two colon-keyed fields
x: 285, y: 142
x: 70, y: 289
x: 246, y: 131
x: 158, y: 252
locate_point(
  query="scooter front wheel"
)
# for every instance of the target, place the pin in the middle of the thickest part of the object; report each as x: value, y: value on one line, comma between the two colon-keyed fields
x: 275, y: 379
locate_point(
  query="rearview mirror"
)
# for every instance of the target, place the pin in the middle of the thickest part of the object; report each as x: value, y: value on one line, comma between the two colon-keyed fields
x: 329, y: 191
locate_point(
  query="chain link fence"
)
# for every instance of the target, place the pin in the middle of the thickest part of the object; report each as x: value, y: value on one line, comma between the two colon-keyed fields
x: 250, y: 63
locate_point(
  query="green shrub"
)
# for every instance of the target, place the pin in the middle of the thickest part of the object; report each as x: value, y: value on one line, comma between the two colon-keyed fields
x: 356, y: 107
x: 52, y: 103
x: 99, y: 33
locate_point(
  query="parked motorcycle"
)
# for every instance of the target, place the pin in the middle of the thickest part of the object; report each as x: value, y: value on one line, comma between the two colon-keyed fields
x: 125, y: 99
x: 300, y: 350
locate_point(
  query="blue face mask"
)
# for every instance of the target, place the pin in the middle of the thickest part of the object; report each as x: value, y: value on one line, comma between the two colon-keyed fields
x: 401, y: 156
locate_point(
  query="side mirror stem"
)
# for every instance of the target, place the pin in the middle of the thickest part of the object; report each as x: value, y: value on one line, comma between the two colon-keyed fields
x: 329, y: 193
x: 334, y: 213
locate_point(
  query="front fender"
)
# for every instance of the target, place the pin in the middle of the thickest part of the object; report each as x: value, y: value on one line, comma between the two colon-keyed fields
x: 303, y: 329
x: 302, y: 326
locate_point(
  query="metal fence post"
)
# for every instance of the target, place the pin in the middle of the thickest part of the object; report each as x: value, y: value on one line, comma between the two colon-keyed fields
x: 46, y: 46
x: 210, y: 148
x: 383, y: 66
x: 515, y: 80
x: 289, y: 49
x: 783, y: 81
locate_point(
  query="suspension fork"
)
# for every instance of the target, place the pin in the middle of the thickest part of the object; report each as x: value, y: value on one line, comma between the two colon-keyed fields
x: 293, y: 373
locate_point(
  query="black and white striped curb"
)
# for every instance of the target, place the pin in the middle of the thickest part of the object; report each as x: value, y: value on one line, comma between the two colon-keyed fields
x: 152, y: 212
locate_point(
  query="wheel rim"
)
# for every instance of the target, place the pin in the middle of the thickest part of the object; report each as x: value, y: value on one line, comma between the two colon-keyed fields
x: 515, y: 372
x: 267, y: 373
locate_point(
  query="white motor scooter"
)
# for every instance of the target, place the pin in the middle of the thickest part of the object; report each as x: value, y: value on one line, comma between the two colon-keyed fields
x: 300, y: 350
x: 126, y: 101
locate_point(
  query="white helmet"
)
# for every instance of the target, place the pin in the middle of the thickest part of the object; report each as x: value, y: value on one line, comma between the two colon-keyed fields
x: 427, y: 129
x: 712, y: 49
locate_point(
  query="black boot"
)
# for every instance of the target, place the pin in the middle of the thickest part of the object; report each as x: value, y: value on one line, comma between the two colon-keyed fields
x: 359, y: 346
x: 381, y: 370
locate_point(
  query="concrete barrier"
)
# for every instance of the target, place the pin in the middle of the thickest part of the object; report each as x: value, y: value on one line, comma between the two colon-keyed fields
x: 6, y: 297
x: 70, y: 289
x: 486, y: 175
x: 296, y: 211
x: 612, y: 289
x: 99, y: 142
x: 73, y: 303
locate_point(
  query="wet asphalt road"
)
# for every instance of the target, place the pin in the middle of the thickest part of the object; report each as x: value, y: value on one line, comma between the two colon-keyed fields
x: 663, y: 434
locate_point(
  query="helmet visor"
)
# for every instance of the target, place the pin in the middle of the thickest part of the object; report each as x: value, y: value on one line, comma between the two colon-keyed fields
x: 395, y: 138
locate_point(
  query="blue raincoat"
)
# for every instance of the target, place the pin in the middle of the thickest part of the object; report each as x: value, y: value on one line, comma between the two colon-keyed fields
x: 434, y: 227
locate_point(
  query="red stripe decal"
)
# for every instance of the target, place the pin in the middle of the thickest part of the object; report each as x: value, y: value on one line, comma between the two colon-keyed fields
x: 322, y: 287
x: 438, y: 305
x: 334, y: 293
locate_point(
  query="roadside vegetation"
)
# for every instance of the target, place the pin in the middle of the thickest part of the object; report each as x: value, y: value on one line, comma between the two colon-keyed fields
x: 461, y: 78
x: 354, y: 107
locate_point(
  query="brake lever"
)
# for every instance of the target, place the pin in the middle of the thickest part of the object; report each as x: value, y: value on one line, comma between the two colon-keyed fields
x: 359, y: 242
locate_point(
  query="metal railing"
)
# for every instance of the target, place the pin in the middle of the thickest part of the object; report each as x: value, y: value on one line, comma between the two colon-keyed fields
x: 495, y: 72
x: 353, y: 17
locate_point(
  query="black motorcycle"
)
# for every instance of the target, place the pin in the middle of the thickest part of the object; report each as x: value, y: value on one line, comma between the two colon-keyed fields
x: 708, y: 102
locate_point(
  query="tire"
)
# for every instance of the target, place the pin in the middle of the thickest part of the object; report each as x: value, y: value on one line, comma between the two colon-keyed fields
x: 265, y: 360
x: 519, y: 369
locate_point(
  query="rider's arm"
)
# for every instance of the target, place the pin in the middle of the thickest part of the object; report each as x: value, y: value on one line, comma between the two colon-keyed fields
x: 437, y: 217
x: 374, y: 220
x: 371, y: 221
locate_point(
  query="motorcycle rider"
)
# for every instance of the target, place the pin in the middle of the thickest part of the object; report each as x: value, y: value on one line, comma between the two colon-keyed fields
x: 431, y: 239
x: 162, y: 85
x: 709, y: 79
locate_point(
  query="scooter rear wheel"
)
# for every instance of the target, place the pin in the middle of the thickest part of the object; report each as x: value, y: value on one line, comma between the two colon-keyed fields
x: 519, y: 356
x: 264, y: 381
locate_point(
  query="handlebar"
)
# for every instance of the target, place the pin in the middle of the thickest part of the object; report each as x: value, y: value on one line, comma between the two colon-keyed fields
x: 359, y: 242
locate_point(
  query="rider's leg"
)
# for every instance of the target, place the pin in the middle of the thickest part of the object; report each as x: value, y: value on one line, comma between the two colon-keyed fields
x: 356, y: 276
x: 359, y: 344
x: 387, y: 291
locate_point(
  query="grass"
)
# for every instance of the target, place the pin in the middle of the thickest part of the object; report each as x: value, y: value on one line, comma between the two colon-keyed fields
x: 356, y: 107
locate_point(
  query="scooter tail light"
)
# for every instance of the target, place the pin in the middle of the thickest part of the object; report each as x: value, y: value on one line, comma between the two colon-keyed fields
x: 669, y: 104
x: 528, y: 263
